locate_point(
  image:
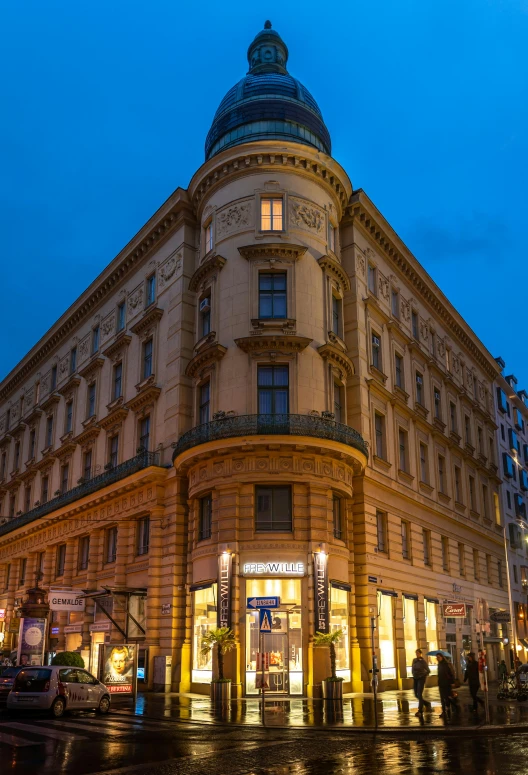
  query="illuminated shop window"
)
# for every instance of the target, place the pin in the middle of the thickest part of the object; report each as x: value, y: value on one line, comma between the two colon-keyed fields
x: 409, y: 632
x: 386, y: 637
x: 339, y: 621
x: 431, y: 632
x: 204, y: 619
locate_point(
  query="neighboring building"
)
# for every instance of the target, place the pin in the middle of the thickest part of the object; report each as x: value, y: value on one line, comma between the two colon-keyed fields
x: 263, y: 323
x: 512, y: 420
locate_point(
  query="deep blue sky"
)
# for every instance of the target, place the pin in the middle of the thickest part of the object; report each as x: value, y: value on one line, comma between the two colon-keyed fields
x: 106, y: 105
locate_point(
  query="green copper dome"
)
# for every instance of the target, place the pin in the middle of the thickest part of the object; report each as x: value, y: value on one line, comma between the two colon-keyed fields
x: 268, y: 104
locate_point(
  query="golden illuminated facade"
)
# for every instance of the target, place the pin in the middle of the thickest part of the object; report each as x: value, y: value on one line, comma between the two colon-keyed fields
x: 264, y: 394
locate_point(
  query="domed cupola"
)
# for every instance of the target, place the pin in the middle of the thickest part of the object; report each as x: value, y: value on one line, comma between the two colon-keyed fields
x: 268, y: 104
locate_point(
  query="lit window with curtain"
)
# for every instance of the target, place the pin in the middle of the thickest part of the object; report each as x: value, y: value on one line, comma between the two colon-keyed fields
x: 273, y: 389
x: 271, y: 214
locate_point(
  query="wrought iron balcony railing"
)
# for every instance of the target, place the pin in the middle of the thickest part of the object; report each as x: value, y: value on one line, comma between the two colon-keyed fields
x: 121, y: 471
x: 271, y: 425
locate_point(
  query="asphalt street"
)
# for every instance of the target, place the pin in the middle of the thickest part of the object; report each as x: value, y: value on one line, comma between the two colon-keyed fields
x: 84, y: 743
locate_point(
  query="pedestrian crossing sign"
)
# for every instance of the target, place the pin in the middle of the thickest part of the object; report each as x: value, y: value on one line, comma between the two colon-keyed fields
x: 265, y: 620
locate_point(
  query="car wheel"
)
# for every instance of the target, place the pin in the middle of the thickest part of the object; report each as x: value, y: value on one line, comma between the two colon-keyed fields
x: 104, y: 706
x: 58, y: 708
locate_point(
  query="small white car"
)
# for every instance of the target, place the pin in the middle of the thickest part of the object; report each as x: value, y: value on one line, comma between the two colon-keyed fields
x: 57, y: 689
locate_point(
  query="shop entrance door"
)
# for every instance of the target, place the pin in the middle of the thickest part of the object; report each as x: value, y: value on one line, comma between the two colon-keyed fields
x: 283, y: 644
x: 276, y: 645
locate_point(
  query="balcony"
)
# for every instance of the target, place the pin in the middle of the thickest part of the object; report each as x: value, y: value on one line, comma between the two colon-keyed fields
x: 112, y: 475
x: 271, y: 425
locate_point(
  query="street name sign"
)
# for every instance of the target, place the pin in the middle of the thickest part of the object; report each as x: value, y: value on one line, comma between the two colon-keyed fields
x: 263, y: 602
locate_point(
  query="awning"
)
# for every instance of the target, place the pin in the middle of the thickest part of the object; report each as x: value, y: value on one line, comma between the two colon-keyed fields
x: 432, y: 600
x: 201, y: 585
x: 388, y: 592
x: 524, y: 642
x: 408, y: 596
x: 126, y: 593
x: 341, y: 585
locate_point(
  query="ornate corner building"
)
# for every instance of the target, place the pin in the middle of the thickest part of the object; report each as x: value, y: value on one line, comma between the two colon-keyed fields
x: 264, y: 394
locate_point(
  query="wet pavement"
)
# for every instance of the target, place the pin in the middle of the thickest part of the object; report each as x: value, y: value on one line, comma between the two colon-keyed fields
x: 180, y: 735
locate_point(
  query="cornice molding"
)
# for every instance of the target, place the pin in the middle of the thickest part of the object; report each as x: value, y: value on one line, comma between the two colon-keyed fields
x: 71, y: 384
x: 207, y: 355
x: 215, y: 263
x: 65, y: 450
x: 332, y: 266
x: 270, y: 250
x: 50, y: 402
x: 150, y: 318
x: 363, y: 213
x: 336, y: 357
x: 281, y: 344
x: 164, y: 222
x: 89, y: 434
x: 123, y: 340
x: 94, y: 365
x: 115, y: 417
x: 146, y: 396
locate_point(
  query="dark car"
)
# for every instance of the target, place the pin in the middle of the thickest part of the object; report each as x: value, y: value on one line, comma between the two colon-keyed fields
x: 7, y: 679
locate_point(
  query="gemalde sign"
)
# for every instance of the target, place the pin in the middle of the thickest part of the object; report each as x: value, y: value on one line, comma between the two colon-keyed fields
x: 454, y: 610
x: 64, y: 600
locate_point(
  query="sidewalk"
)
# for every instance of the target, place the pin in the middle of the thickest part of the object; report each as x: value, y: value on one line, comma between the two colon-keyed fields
x: 396, y: 712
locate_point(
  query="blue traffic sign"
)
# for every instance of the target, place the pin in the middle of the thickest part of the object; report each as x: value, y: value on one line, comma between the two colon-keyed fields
x: 263, y: 602
x: 265, y: 620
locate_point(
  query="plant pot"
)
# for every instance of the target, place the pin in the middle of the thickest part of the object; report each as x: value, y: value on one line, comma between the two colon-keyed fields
x: 332, y: 690
x: 220, y: 691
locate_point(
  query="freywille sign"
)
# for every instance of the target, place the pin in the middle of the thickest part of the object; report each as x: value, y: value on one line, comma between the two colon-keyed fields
x: 225, y: 565
x: 274, y: 569
x: 321, y: 591
x: 454, y: 610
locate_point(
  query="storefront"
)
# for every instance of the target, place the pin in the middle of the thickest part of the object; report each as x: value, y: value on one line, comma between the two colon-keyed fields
x: 205, y: 618
x: 431, y: 631
x: 386, y: 635
x: 410, y: 631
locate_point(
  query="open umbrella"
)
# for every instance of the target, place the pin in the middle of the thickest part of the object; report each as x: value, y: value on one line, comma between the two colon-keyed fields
x: 445, y: 654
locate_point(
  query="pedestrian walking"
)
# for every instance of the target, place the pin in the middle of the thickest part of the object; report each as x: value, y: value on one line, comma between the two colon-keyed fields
x: 472, y: 678
x: 446, y: 679
x: 503, y: 673
x: 482, y: 669
x: 420, y: 671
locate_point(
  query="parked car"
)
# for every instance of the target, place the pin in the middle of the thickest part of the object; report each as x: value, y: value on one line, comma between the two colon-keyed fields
x: 7, y: 679
x: 57, y: 689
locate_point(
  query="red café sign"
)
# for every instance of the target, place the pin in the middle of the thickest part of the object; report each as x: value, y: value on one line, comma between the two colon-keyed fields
x: 454, y: 610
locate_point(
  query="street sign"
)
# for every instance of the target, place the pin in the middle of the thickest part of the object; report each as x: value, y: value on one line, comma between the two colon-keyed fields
x: 263, y: 657
x: 265, y: 620
x: 501, y: 617
x: 263, y: 602
x: 262, y: 681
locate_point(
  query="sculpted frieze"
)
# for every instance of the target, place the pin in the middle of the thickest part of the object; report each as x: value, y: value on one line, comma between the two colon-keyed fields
x: 233, y: 218
x: 168, y: 268
x: 108, y: 325
x: 134, y: 299
x: 306, y: 216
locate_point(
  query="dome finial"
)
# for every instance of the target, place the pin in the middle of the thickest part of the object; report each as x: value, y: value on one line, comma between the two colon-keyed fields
x: 267, y: 25
x: 268, y: 53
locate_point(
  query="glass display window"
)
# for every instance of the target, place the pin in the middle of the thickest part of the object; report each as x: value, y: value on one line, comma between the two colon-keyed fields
x: 409, y: 632
x: 338, y: 620
x: 386, y: 637
x: 431, y: 633
x: 204, y: 620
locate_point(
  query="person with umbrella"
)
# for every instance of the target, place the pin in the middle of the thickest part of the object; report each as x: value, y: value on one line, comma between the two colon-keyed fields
x: 420, y: 671
x: 471, y: 676
x: 446, y: 679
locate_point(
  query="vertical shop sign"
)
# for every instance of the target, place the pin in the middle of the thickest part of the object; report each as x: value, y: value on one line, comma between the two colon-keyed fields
x: 31, y: 642
x: 225, y: 568
x: 321, y: 591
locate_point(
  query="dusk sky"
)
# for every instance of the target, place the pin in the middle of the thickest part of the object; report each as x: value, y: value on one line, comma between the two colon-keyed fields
x: 106, y: 106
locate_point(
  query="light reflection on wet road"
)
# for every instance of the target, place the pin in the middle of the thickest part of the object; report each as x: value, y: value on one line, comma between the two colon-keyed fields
x: 148, y: 747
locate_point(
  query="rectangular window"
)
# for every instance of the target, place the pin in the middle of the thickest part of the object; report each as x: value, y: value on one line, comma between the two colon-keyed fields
x: 426, y: 537
x: 458, y: 485
x: 336, y: 315
x: 409, y: 632
x: 144, y: 434
x: 95, y: 340
x: 337, y: 507
x: 117, y: 382
x: 91, y: 400
x: 452, y: 417
x: 499, y: 572
x: 143, y: 536
x: 508, y: 499
x: 114, y: 451
x: 419, y: 388
x: 476, y: 564
x: 461, y: 559
x: 381, y: 531
x: 431, y: 632
x: 376, y: 351
x: 12, y: 505
x: 205, y: 316
x: 502, y: 401
x: 395, y: 303
x: 61, y: 560
x: 406, y: 540
x: 485, y: 505
x: 480, y: 445
x: 121, y: 316
x: 53, y: 379
x: 445, y: 554
x: 467, y: 429
x: 398, y: 370
x: 110, y: 545
x: 472, y: 501
x: 272, y: 295
x: 415, y: 325
x: 274, y: 510
x: 273, y: 389
x: 386, y: 637
x: 205, y: 402
x: 151, y: 290
x: 44, y: 490
x: 508, y: 466
x: 17, y: 456
x: 87, y: 467
x: 441, y: 474
x: 73, y: 360
x: 84, y: 552
x: 372, y: 279
x: 65, y: 475
x: 206, y: 517
x: 515, y: 575
x: 503, y: 432
x: 379, y: 427
x: 3, y: 466
x: 433, y: 344
x: 271, y: 214
x: 424, y: 465
x: 204, y: 620
x: 23, y: 570
x: 403, y: 449
x: 27, y: 499
x: 69, y: 417
x: 489, y: 572
x: 338, y: 406
x: 32, y: 438
x: 147, y: 358
x: 437, y: 404
x: 209, y: 237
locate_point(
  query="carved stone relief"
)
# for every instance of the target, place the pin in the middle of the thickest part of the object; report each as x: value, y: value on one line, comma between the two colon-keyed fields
x: 64, y: 365
x: 360, y: 263
x: 234, y: 217
x: 84, y: 347
x: 108, y: 325
x: 383, y: 286
x: 134, y: 299
x: 168, y: 268
x: 306, y: 216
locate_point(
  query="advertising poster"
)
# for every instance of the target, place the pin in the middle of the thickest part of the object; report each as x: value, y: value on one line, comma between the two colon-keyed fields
x: 31, y: 642
x: 119, y: 667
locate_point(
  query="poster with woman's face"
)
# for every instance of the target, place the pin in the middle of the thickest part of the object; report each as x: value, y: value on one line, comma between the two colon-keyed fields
x: 119, y: 663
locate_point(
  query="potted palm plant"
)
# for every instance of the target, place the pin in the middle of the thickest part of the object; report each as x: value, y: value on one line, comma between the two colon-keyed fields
x: 224, y: 640
x: 332, y: 686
